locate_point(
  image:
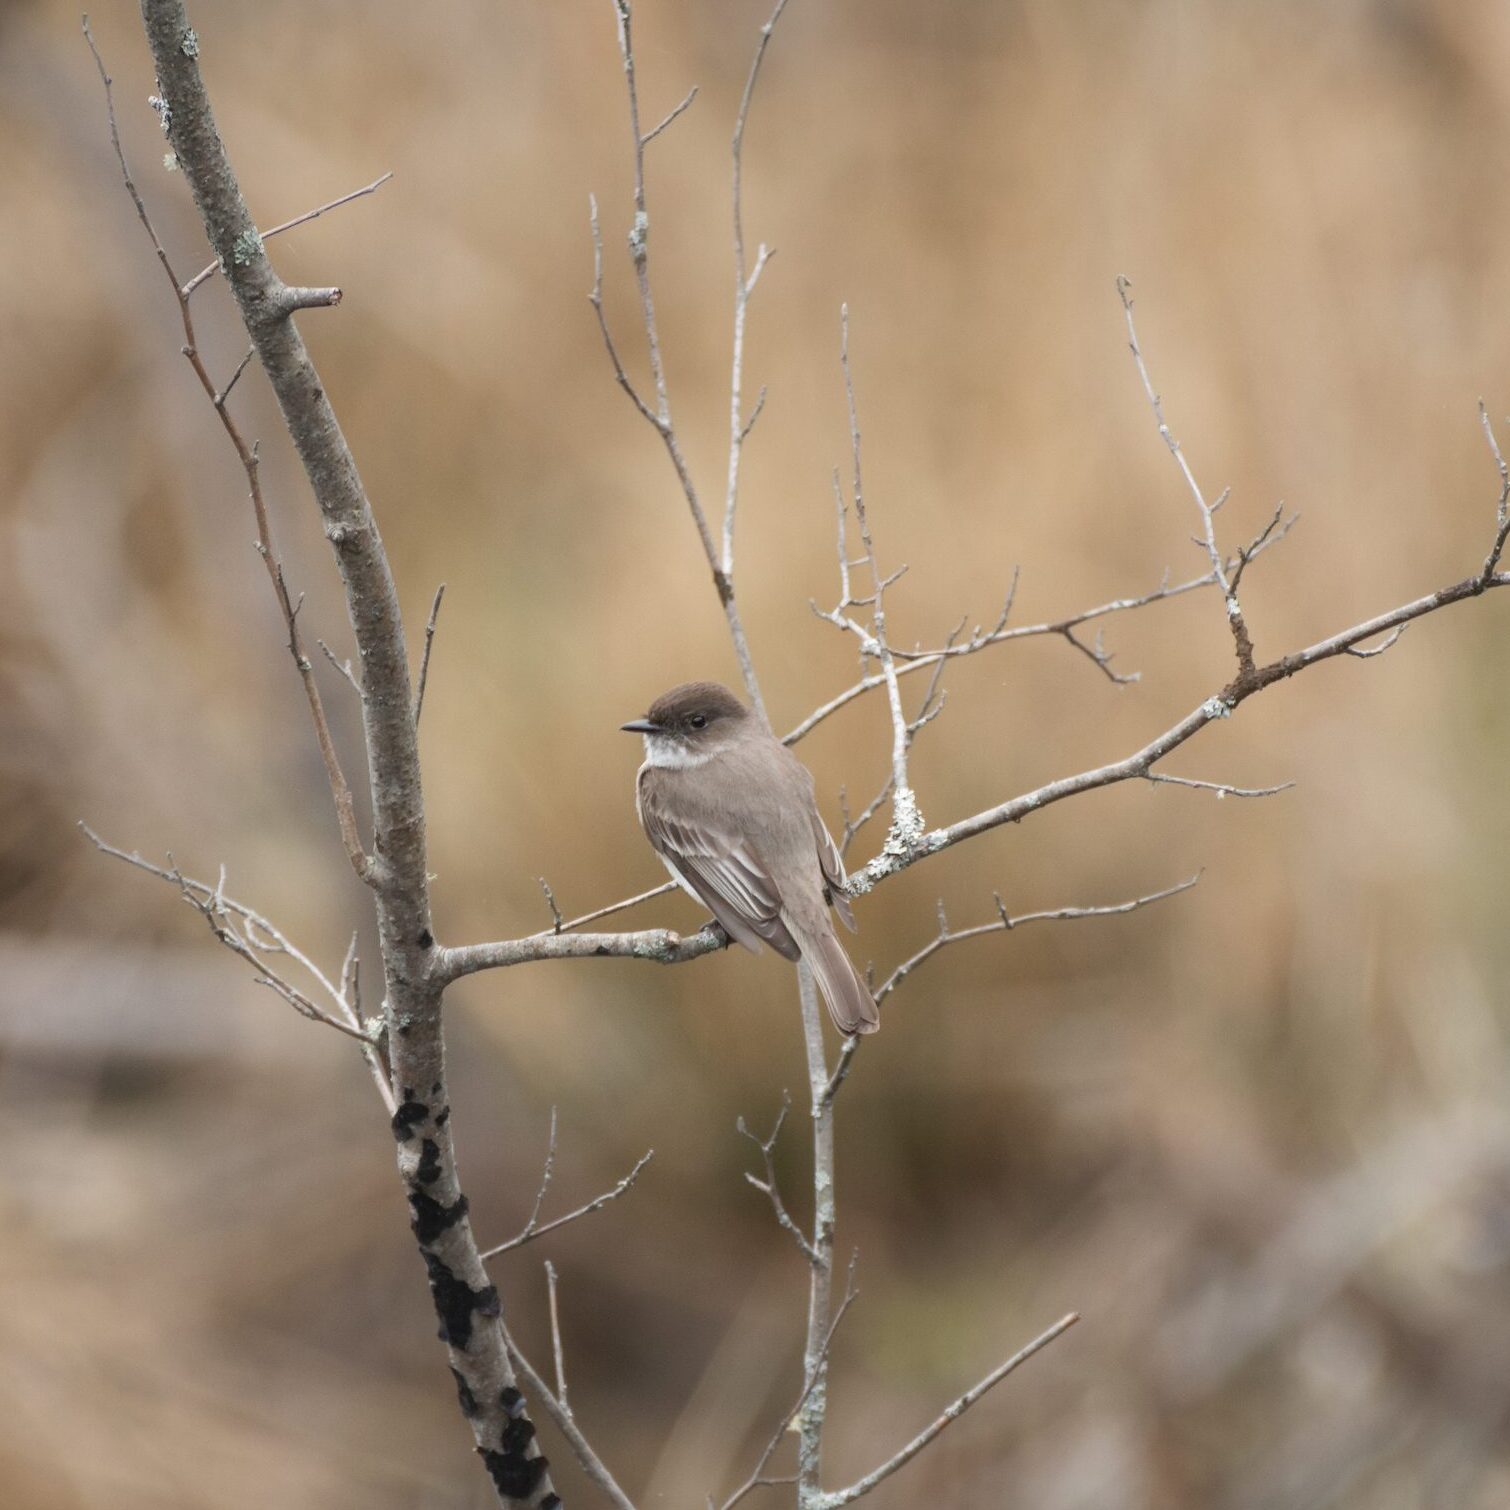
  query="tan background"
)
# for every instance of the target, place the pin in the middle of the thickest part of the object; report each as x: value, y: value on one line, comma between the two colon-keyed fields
x: 1256, y: 1135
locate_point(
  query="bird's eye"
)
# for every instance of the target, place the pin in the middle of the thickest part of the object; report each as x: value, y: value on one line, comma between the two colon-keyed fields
x: 698, y: 720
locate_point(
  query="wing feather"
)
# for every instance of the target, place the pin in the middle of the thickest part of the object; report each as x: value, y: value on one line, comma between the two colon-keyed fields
x: 833, y: 873
x: 722, y: 871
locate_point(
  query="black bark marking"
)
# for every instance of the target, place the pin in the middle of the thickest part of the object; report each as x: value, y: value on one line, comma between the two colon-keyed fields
x: 551, y: 1502
x: 516, y: 1476
x: 456, y: 1301
x: 409, y: 1115
x: 511, y: 1400
x: 428, y: 1218
x: 428, y: 1171
x: 443, y: 1116
x: 517, y: 1435
x: 426, y: 939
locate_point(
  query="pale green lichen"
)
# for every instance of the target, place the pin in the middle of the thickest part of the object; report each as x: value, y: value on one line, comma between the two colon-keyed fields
x: 1214, y: 707
x: 170, y: 161
x: 188, y: 43
x: 638, y: 234
x: 246, y: 246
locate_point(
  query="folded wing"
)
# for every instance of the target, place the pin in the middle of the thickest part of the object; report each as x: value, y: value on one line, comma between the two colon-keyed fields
x: 719, y: 869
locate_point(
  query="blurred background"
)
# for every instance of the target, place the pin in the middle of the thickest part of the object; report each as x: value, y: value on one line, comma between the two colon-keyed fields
x: 1257, y: 1134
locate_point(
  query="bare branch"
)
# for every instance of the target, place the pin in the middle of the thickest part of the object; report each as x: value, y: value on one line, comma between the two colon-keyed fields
x: 292, y: 299
x: 812, y: 1413
x: 1226, y: 580
x: 655, y: 131
x: 467, y: 1304
x: 744, y: 286
x: 424, y: 660
x: 241, y: 366
x: 951, y: 1414
x: 545, y: 1181
x: 272, y: 294
x: 556, y: 1348
x: 344, y: 667
x: 1137, y: 765
x: 1502, y: 511
x: 531, y: 1230
x: 595, y: 298
x: 758, y: 1478
x: 845, y: 1061
x: 259, y: 938
x: 916, y: 660
x: 211, y: 268
x: 907, y: 825
x: 659, y: 945
x: 1221, y: 788
x: 659, y: 416
x: 550, y: 901
x: 666, y: 947
x: 768, y: 1186
x: 1381, y: 647
x: 1005, y: 923
x: 933, y: 702
x: 592, y: 1465
x: 603, y: 912
x: 1101, y: 658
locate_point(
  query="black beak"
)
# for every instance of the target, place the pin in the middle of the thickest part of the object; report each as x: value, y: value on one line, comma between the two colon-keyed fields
x: 641, y: 726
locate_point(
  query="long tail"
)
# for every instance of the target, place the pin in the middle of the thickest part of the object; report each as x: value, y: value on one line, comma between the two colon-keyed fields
x: 850, y: 1003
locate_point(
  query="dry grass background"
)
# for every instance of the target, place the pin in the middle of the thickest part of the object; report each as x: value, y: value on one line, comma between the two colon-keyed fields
x: 1257, y: 1135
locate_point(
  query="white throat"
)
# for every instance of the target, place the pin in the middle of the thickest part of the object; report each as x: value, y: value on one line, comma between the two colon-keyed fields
x: 670, y: 754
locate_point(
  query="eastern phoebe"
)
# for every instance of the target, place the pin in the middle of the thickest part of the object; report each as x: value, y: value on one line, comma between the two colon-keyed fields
x: 731, y: 812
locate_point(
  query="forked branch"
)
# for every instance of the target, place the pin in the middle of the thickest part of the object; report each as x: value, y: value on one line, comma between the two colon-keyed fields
x: 535, y: 1228
x: 247, y: 455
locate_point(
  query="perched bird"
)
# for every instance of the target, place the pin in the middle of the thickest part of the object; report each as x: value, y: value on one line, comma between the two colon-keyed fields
x: 731, y: 812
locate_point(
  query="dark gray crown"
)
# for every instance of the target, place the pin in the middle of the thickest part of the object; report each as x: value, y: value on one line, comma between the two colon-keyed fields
x: 694, y: 706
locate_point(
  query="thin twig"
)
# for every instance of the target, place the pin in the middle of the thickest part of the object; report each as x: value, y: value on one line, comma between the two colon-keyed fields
x: 1226, y: 579
x: 344, y: 667
x: 917, y: 660
x: 545, y: 1177
x: 758, y: 1478
x: 907, y: 825
x: 658, y: 415
x: 550, y: 901
x: 424, y: 660
x: 842, y: 1066
x: 603, y: 912
x: 556, y: 1348
x: 210, y: 269
x: 768, y: 1186
x: 655, y: 131
x: 566, y: 1423
x: 531, y: 1231
x: 951, y: 1414
x: 1005, y: 923
x: 813, y: 1412
x: 1381, y: 647
x: 247, y: 455
x: 744, y: 286
x: 1502, y: 510
x: 235, y: 377
x: 1221, y: 788
x: 255, y: 941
